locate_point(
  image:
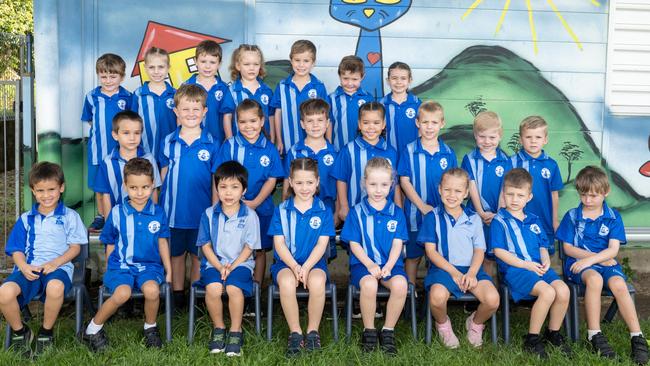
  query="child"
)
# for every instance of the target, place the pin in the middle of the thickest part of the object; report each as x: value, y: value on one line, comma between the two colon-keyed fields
x: 345, y: 102
x: 254, y: 151
x: 299, y: 86
x: 592, y: 234
x: 352, y: 159
x: 375, y: 230
x: 301, y: 228
x: 247, y: 71
x: 154, y: 100
x: 188, y: 157
x: 126, y: 130
x: 547, y: 181
x: 228, y: 234
x: 421, y: 165
x: 219, y: 100
x: 41, y: 244
x: 100, y: 106
x: 521, y: 248
x: 135, y: 257
x: 402, y: 107
x: 455, y: 245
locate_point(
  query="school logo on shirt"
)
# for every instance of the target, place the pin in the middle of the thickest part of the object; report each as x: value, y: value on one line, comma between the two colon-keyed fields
x: 391, y: 226
x: 170, y: 103
x: 328, y: 159
x: 443, y: 163
x: 265, y: 161
x: 546, y: 173
x: 535, y: 228
x: 218, y: 95
x: 314, y: 222
x: 264, y: 99
x: 604, y: 230
x: 312, y: 93
x: 59, y: 220
x: 203, y: 155
x: 241, y: 224
x: 498, y: 171
x: 121, y: 104
x: 410, y: 113
x: 361, y: 102
x: 154, y: 226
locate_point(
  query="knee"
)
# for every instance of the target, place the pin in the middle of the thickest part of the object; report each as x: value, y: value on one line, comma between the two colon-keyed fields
x: 151, y: 292
x: 547, y: 294
x: 492, y: 300
x: 399, y: 287
x: 121, y: 295
x: 234, y: 292
x: 562, y: 293
x: 438, y: 297
x: 55, y: 290
x: 317, y: 285
x: 368, y: 287
x: 287, y: 283
x: 213, y: 291
x: 594, y: 281
x: 617, y: 286
x: 7, y: 294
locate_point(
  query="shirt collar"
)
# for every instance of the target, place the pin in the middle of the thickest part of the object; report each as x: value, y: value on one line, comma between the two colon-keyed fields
x: 528, y: 218
x: 525, y: 156
x: 145, y: 89
x: 149, y: 207
x: 442, y: 147
x: 410, y: 99
x: 237, y: 85
x: 316, y: 206
x: 500, y: 154
x: 205, y: 138
x: 608, y: 213
x: 121, y: 92
x: 115, y: 154
x: 59, y: 210
x: 466, y: 215
x: 192, y: 80
x: 312, y: 79
x: 381, y: 144
x: 358, y: 93
x: 388, y: 210
x: 261, y: 141
x: 217, y: 210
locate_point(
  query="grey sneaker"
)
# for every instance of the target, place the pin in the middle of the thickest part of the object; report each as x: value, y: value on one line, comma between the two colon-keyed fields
x: 21, y: 342
x: 217, y: 342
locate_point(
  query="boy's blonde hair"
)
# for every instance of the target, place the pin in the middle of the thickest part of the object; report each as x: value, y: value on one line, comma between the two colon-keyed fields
x: 155, y: 51
x: 110, y: 63
x: 518, y: 178
x: 303, y: 45
x: 532, y: 123
x: 430, y: 106
x: 487, y: 120
x: 234, y: 74
x: 191, y: 92
x: 378, y: 163
x: 352, y: 64
x: 458, y: 173
x: 210, y: 48
x: 592, y: 179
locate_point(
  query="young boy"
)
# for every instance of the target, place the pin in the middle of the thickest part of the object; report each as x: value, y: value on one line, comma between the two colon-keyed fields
x: 219, y: 100
x: 127, y: 131
x: 42, y: 244
x: 547, y: 181
x: 292, y: 91
x: 521, y: 248
x: 188, y: 157
x: 228, y: 234
x: 100, y: 106
x: 592, y: 234
x: 137, y: 253
x: 345, y: 102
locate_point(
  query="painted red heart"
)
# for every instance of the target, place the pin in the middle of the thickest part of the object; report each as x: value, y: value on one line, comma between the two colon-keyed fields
x: 373, y: 57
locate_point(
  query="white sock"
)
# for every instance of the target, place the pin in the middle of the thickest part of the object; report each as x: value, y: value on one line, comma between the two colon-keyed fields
x: 147, y: 326
x: 389, y: 329
x: 634, y: 334
x: 93, y: 328
x: 591, y: 333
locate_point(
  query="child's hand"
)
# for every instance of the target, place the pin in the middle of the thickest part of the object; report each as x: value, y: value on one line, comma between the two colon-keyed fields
x: 385, y: 272
x: 580, y: 265
x: 469, y: 282
x: 375, y: 271
x: 297, y: 271
x: 30, y: 272
x: 250, y: 204
x: 343, y: 212
x: 608, y: 263
x: 279, y: 146
x: 487, y: 217
x: 535, y: 267
x: 226, y: 269
x: 426, y: 209
x: 168, y: 277
x: 304, y: 276
x: 48, y: 267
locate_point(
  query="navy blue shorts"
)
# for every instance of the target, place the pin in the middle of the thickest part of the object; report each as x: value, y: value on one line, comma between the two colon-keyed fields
x: 31, y: 289
x: 413, y: 249
x: 279, y: 265
x: 358, y: 271
x: 241, y: 277
x: 183, y: 241
x: 521, y: 281
x: 115, y: 278
x: 436, y: 275
x: 606, y: 272
x: 265, y: 238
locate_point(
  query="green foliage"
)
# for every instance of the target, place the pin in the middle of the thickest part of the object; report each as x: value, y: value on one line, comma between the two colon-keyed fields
x: 476, y: 106
x: 513, y: 143
x: 571, y: 152
x: 15, y: 20
x: 627, y: 268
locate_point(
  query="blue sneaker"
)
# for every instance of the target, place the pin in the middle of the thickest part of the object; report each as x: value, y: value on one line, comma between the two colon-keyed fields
x: 97, y: 224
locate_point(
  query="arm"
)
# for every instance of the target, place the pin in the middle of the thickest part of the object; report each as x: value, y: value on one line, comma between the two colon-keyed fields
x: 342, y: 199
x: 440, y: 262
x: 266, y: 190
x: 26, y: 269
x: 512, y: 260
x: 476, y: 202
x: 163, y: 173
x: 314, y: 257
x: 397, y: 197
x: 413, y: 196
x: 227, y: 125
x: 393, y: 256
x: 469, y: 280
x: 278, y: 130
x: 154, y: 196
x: 209, y: 255
x: 545, y: 259
x: 272, y: 129
x: 590, y: 259
x: 361, y: 255
x: 243, y: 256
x: 328, y: 133
x: 555, y: 200
x: 70, y: 254
x: 285, y: 189
x: 109, y: 250
x: 283, y: 252
x: 163, y: 249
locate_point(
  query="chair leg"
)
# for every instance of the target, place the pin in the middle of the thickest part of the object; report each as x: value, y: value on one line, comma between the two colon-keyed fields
x: 269, y: 314
x: 100, y: 297
x: 79, y: 308
x: 493, y: 328
x: 335, y: 313
x: 7, y: 336
x: 191, y: 314
x: 575, y: 314
x: 567, y: 325
x: 505, y: 301
x: 348, y: 311
x: 611, y: 312
x: 414, y: 321
x: 168, y: 311
x: 428, y: 327
x: 258, y: 308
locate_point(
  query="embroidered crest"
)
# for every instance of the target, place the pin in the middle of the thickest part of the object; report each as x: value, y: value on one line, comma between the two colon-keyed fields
x: 498, y: 171
x: 170, y: 103
x: 604, y: 230
x: 391, y: 226
x: 312, y: 93
x: 361, y: 102
x: 203, y: 155
x: 218, y: 95
x: 410, y: 112
x: 154, y: 227
x: 535, y: 228
x: 546, y: 174
x: 328, y: 159
x: 314, y: 222
x: 265, y: 161
x: 443, y: 163
x: 59, y: 220
x: 264, y: 99
x: 121, y: 104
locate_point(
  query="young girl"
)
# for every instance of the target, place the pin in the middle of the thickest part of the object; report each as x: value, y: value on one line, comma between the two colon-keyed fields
x: 453, y: 239
x: 420, y: 168
x: 401, y: 106
x: 352, y: 159
x: 375, y: 230
x: 301, y: 228
x: 154, y: 100
x: 252, y: 149
x: 246, y: 72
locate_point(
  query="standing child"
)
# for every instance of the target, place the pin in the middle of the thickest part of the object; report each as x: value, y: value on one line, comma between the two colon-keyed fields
x: 302, y: 227
x: 402, y: 107
x: 228, y: 235
x: 454, y: 242
x: 375, y: 230
x: 421, y: 165
x: 592, y: 234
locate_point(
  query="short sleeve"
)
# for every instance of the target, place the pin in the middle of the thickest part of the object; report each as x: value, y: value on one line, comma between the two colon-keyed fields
x: 135, y: 105
x: 277, y: 170
x: 453, y: 161
x: 402, y: 231
x: 556, y: 178
x: 252, y: 236
x: 276, y: 101
x: 203, y: 237
x: 157, y: 181
x: 164, y: 226
x: 427, y: 232
x: 498, y: 235
x: 109, y: 233
x: 75, y: 230
x: 617, y: 229
x: 163, y: 159
x: 275, y: 227
x: 224, y: 151
x: 544, y: 241
x: 129, y: 101
x: 404, y: 164
x: 478, y: 238
x: 287, y: 162
x: 342, y: 169
x: 322, y: 91
x: 331, y: 102
x: 328, y: 224
x: 351, y: 231
x: 466, y: 166
x: 87, y: 111
x: 227, y: 103
x: 566, y: 231
x: 17, y: 238
x: 102, y: 184
x: 215, y: 159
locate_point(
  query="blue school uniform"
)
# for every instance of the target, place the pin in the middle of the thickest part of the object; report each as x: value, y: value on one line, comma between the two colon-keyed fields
x: 352, y: 161
x: 262, y: 95
x: 400, y: 120
x: 326, y: 159
x: 157, y: 112
x: 110, y: 174
x: 344, y: 114
x: 288, y: 98
x: 593, y: 236
x: 219, y: 102
x: 488, y: 176
x: 43, y: 238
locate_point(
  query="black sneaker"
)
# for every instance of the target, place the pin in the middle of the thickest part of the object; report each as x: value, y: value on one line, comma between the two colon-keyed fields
x: 312, y: 341
x: 369, y: 340
x: 43, y: 341
x: 22, y: 340
x: 387, y: 342
x: 533, y: 344
x: 97, y: 224
x: 96, y: 342
x: 639, y: 350
x: 295, y: 344
x: 152, y: 338
x: 178, y: 299
x: 555, y: 338
x: 600, y: 345
x: 235, y: 341
x: 217, y: 342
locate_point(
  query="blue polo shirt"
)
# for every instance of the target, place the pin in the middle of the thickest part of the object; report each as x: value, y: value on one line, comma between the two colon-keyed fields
x: 488, y: 176
x: 326, y: 159
x: 187, y: 189
x: 99, y: 109
x: 425, y: 171
x: 521, y: 238
x: 262, y: 95
x: 219, y: 102
x: 454, y: 239
x: 135, y: 235
x: 157, y: 112
x: 301, y: 230
x: 344, y: 114
x: 352, y: 161
x: 262, y: 161
x: 546, y: 179
x: 288, y: 98
x: 228, y: 235
x: 110, y: 174
x: 400, y: 120
x: 43, y: 238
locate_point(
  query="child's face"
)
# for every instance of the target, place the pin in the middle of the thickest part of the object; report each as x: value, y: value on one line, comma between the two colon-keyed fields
x: 248, y: 65
x: 429, y: 124
x: 230, y: 191
x: 516, y: 198
x: 302, y: 63
x: 350, y: 81
x: 128, y: 134
x: 315, y: 125
x: 250, y: 125
x: 533, y: 140
x: 399, y: 80
x: 138, y: 188
x: 371, y: 124
x: 488, y: 140
x: 593, y: 200
x: 453, y: 191
x: 304, y: 184
x: 47, y: 194
x: 189, y: 113
x: 110, y: 82
x: 157, y: 68
x: 207, y: 65
x: 378, y: 183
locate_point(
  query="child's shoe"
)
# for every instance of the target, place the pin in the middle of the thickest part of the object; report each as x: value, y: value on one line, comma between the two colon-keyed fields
x: 152, y: 338
x: 312, y: 341
x: 534, y: 344
x: 295, y: 344
x: 474, y: 331
x: 446, y: 334
x: 44, y: 340
x: 235, y: 341
x: 639, y: 350
x: 387, y: 342
x: 369, y: 340
x: 600, y: 345
x: 555, y: 338
x: 217, y: 342
x: 97, y: 224
x: 21, y: 341
x: 97, y: 342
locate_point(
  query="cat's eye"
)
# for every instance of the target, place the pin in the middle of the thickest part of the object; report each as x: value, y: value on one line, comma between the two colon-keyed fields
x: 388, y: 2
x: 354, y: 1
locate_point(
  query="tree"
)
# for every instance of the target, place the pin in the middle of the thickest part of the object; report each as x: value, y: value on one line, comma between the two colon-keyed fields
x: 571, y: 152
x: 477, y: 106
x: 16, y: 19
x: 513, y: 144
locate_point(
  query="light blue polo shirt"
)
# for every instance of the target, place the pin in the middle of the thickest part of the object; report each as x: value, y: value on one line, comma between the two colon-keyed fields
x: 521, y: 238
x: 157, y: 112
x: 400, y: 120
x: 262, y: 95
x: 219, y: 102
x: 487, y: 175
x: 344, y: 114
x: 99, y: 109
x: 326, y: 159
x: 228, y: 235
x: 43, y: 238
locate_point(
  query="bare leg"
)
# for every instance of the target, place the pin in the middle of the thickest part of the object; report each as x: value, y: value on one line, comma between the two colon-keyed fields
x: 438, y: 297
x: 195, y: 273
x: 9, y: 292
x: 316, y: 284
x: 625, y: 304
x: 121, y: 295
x: 214, y: 304
x: 411, y: 268
x: 560, y: 305
x: 368, y: 300
x: 488, y: 297
x: 398, y: 287
x: 594, y: 287
x: 260, y: 266
x: 151, y: 292
x: 236, y: 307
x: 54, y: 294
x: 287, y: 284
x: 545, y: 296
x: 178, y: 273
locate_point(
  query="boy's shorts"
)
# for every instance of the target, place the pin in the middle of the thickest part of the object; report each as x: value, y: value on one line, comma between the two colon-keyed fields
x: 115, y: 278
x: 265, y: 239
x: 241, y: 277
x: 279, y: 265
x: 358, y: 271
x: 606, y: 272
x: 183, y: 241
x: 521, y: 281
x: 436, y: 275
x: 413, y: 249
x: 92, y: 172
x: 31, y: 289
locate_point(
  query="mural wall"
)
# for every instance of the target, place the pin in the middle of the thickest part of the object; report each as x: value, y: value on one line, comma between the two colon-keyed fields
x: 516, y: 57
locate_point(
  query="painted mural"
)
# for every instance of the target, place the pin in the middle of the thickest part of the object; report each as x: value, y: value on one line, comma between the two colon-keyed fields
x: 517, y: 58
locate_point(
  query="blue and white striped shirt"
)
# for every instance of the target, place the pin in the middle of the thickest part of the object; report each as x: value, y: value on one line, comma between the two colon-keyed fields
x: 488, y: 176
x: 521, y: 238
x: 157, y: 112
x: 219, y: 102
x: 262, y: 95
x: 400, y: 120
x: 344, y: 115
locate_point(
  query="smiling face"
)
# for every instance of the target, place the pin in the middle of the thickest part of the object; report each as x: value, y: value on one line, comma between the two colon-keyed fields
x: 157, y: 68
x: 488, y: 140
x: 207, y: 65
x: 429, y: 124
x: 189, y: 113
x: 230, y: 192
x: 128, y: 134
x: 304, y: 184
x: 139, y: 189
x: 302, y: 63
x: 453, y: 191
x: 368, y: 14
x: 378, y: 183
x: 516, y: 198
x: 109, y: 82
x: 399, y: 80
x: 371, y: 124
x: 47, y: 194
x: 249, y: 65
x: 533, y: 140
x: 350, y: 81
x: 250, y: 124
x: 315, y: 125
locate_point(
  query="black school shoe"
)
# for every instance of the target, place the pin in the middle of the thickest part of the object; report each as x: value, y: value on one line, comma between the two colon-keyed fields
x: 152, y: 338
x: 639, y: 350
x: 217, y: 342
x: 600, y: 345
x: 21, y: 341
x: 534, y: 344
x: 312, y: 341
x: 387, y: 342
x: 555, y: 338
x: 369, y: 340
x: 96, y: 342
x: 234, y: 344
x: 295, y: 344
x: 43, y: 341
